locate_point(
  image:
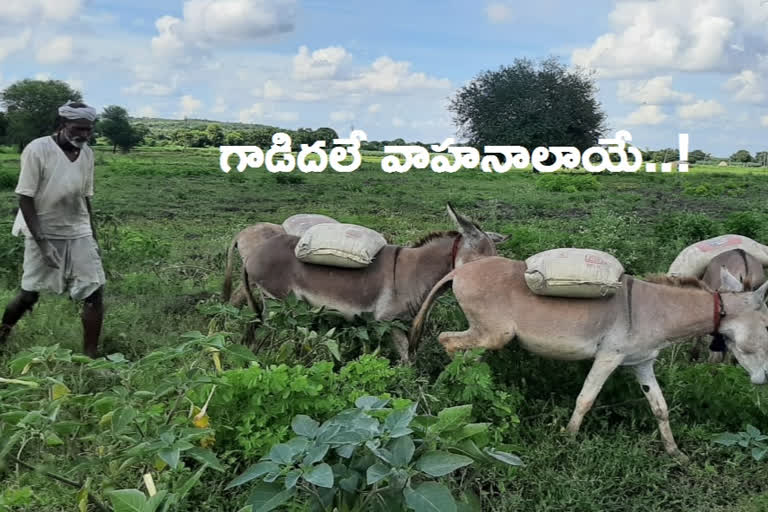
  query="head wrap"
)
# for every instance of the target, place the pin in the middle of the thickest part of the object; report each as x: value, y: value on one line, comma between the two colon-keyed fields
x: 68, y: 112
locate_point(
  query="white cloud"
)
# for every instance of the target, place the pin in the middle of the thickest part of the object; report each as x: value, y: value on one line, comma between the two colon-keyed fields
x: 701, y: 110
x: 341, y: 116
x: 498, y: 12
x: 749, y: 87
x: 373, y: 109
x: 42, y: 76
x: 685, y: 35
x: 271, y: 90
x: 284, y: 116
x: 56, y: 51
x: 396, y: 121
x: 646, y: 115
x: 656, y: 91
x: 252, y: 114
x: 75, y: 83
x: 149, y: 89
x: 387, y: 75
x: 189, y: 105
x: 318, y: 65
x: 764, y: 120
x: 16, y: 43
x: 146, y: 111
x: 206, y: 23
x: 20, y: 11
x: 220, y: 106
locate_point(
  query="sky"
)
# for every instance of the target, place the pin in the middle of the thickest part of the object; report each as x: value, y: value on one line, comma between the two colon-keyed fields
x: 390, y: 68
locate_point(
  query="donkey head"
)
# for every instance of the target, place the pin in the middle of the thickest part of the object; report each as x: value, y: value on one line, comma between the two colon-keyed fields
x: 474, y: 243
x: 745, y: 326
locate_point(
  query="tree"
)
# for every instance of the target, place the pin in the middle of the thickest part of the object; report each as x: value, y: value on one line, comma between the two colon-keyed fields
x: 525, y: 106
x: 32, y: 107
x: 326, y: 134
x: 762, y: 158
x: 114, y: 125
x: 741, y: 155
x: 214, y: 134
x: 696, y: 155
x: 3, y: 127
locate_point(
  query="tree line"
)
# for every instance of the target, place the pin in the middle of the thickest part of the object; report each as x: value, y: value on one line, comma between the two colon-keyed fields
x: 515, y: 105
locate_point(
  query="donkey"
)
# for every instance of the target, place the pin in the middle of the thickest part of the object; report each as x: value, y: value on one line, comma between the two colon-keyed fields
x: 627, y: 329
x: 750, y: 273
x: 392, y: 287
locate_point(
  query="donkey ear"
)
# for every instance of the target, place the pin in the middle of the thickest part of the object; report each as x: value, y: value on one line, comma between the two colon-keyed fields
x: 497, y: 238
x: 465, y: 225
x: 728, y: 281
x: 759, y: 294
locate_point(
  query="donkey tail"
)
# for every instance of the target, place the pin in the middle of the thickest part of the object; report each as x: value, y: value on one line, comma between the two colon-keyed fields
x: 417, y: 325
x: 226, y: 292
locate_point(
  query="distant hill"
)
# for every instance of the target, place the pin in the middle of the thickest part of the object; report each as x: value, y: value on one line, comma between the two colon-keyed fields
x: 196, y: 124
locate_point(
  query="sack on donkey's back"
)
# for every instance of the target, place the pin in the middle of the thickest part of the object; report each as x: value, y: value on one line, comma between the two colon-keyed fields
x: 339, y: 245
x: 576, y: 273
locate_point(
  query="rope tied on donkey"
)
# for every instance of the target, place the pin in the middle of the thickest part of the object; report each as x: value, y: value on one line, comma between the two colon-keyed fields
x: 718, y: 341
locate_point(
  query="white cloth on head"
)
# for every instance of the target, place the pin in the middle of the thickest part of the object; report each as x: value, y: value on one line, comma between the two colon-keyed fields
x: 68, y: 112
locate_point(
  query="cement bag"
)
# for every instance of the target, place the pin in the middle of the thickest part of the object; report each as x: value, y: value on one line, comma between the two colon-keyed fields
x: 339, y: 245
x: 298, y: 224
x: 568, y: 272
x: 693, y: 260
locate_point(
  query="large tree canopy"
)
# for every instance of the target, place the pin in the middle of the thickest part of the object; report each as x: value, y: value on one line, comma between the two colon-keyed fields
x: 32, y: 106
x: 114, y: 125
x: 528, y: 106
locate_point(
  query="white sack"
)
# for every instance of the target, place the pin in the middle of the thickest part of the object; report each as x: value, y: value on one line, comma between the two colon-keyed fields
x: 298, y: 224
x: 693, y: 260
x: 570, y: 272
x: 339, y: 245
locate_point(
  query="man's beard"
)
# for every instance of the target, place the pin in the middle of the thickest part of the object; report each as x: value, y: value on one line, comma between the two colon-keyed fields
x: 77, y: 143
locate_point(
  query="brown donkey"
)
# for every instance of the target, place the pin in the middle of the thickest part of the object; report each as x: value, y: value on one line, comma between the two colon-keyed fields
x: 627, y: 329
x: 392, y: 287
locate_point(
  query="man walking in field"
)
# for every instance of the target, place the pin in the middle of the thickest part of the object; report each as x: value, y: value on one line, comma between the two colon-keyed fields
x: 61, y: 253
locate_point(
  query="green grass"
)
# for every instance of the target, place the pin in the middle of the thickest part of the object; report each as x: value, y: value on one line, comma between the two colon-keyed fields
x: 167, y: 215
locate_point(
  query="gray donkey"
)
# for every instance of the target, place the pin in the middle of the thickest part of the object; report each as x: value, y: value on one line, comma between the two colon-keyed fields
x: 627, y: 329
x: 392, y: 287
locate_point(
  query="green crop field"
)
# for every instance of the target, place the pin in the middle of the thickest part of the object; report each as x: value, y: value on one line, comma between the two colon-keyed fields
x: 165, y: 218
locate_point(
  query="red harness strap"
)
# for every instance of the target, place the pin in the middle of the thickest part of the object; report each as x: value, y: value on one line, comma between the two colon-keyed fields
x: 454, y: 251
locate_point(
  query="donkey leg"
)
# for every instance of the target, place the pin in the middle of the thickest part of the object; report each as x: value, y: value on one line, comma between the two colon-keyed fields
x: 400, y: 339
x: 602, y: 368
x: 647, y: 379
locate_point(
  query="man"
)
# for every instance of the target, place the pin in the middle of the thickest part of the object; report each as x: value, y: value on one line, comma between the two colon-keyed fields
x: 61, y: 253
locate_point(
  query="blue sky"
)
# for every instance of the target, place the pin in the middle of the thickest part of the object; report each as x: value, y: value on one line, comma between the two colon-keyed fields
x: 663, y: 67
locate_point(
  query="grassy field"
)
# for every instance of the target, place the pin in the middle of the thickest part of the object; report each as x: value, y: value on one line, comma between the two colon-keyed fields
x: 165, y: 218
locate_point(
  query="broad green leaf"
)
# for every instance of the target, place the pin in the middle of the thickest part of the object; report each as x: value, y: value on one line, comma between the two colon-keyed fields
x: 316, y: 454
x: 241, y: 352
x: 305, y: 426
x: 430, y: 497
x: 451, y: 418
x: 368, y: 403
x: 439, y: 463
x: 121, y: 418
x: 154, y: 501
x: 254, y: 471
x: 350, y: 482
x: 291, y: 478
x: 320, y: 475
x: 507, y: 458
x: 53, y: 440
x: 402, y: 450
x: 170, y: 456
x: 265, y: 497
x: 397, y: 422
x: 759, y: 453
x: 333, y: 348
x: 346, y: 451
x: 727, y: 439
x: 469, y: 502
x: 376, y: 473
x: 206, y: 456
x: 752, y: 431
x: 470, y: 430
x: 127, y: 500
x: 282, y: 453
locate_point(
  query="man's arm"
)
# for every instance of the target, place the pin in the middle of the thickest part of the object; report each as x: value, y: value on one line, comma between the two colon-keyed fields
x: 27, y: 207
x: 90, y: 216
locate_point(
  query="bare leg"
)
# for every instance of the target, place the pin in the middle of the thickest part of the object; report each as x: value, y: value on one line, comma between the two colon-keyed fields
x: 647, y: 379
x: 20, y: 304
x: 602, y: 368
x: 92, y: 318
x: 238, y: 298
x: 400, y: 339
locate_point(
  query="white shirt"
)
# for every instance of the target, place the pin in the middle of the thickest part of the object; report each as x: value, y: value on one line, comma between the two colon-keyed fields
x: 58, y: 186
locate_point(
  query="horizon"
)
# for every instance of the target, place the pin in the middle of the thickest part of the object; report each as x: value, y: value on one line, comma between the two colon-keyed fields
x: 661, y: 68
